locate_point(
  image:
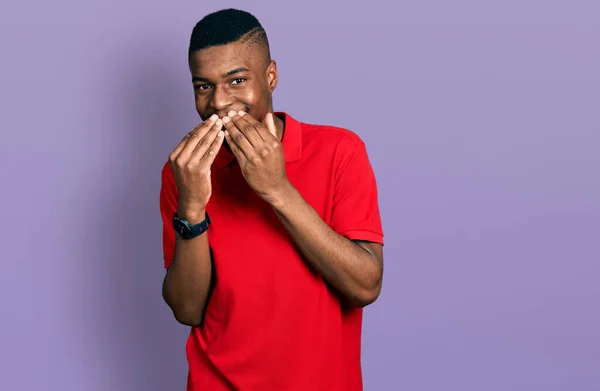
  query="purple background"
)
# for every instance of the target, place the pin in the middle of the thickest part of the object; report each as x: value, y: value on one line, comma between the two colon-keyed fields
x: 482, y: 122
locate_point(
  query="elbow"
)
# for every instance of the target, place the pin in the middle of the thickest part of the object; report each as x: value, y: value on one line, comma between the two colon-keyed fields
x: 367, y: 294
x: 185, y: 313
x: 187, y: 319
x: 188, y: 316
x: 365, y: 298
x: 368, y: 289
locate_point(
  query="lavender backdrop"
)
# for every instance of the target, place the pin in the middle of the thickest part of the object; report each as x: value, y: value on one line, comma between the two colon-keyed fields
x: 482, y: 123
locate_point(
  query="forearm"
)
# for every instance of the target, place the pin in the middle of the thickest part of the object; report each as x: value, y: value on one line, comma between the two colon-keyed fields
x: 187, y: 283
x: 349, y: 268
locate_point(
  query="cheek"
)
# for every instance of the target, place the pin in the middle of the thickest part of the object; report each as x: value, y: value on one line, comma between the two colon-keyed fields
x: 201, y: 102
x: 252, y: 94
x: 248, y: 96
x: 255, y: 98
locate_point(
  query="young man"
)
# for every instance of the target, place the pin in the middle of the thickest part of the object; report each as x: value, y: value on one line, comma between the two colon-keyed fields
x: 272, y: 234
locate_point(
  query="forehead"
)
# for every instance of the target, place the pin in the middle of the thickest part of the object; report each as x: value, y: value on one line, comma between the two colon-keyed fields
x: 215, y: 61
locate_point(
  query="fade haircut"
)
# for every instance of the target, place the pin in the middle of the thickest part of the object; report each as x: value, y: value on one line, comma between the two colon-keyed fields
x: 227, y: 26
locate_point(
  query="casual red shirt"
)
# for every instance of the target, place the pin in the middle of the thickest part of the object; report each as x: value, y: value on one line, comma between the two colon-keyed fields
x: 272, y: 323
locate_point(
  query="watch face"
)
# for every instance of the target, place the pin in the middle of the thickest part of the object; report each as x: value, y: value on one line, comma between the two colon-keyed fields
x: 181, y: 228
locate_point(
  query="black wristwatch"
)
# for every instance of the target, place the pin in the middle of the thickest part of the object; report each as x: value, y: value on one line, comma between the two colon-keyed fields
x: 185, y: 230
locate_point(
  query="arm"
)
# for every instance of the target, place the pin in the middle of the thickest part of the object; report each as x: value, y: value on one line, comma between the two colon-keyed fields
x: 188, y: 280
x: 355, y: 269
x: 186, y: 187
x: 348, y: 251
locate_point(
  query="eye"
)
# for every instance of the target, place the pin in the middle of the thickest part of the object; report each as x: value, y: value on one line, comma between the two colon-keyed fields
x: 202, y: 86
x: 238, y: 80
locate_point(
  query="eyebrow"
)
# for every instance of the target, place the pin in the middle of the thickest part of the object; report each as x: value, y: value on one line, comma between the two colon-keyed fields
x: 227, y: 74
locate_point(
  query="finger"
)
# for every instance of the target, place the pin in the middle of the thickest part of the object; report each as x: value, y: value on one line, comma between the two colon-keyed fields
x: 210, y: 155
x: 190, y: 136
x: 205, y: 142
x: 258, y: 127
x: 239, y: 144
x: 183, y: 142
x: 247, y: 128
x: 194, y: 138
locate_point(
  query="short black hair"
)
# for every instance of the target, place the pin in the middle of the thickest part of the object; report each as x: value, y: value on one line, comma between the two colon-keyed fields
x: 227, y: 26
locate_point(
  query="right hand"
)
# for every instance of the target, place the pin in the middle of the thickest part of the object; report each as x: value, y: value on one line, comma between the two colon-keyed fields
x: 190, y: 162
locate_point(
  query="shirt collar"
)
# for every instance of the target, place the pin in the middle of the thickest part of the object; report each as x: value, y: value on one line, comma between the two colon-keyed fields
x: 291, y: 142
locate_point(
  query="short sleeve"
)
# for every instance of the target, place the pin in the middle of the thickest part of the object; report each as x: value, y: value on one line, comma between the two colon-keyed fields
x: 168, y: 206
x: 355, y: 211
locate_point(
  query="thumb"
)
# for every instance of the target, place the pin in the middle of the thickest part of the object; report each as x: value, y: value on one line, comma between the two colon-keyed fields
x: 270, y: 123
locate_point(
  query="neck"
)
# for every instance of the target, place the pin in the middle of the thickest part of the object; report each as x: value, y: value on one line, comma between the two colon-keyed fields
x: 279, y: 125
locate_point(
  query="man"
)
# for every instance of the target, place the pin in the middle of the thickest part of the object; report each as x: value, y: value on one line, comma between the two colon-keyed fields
x: 272, y: 234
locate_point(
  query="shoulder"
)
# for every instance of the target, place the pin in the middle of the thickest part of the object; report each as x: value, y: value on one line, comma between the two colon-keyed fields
x: 331, y: 139
x: 330, y: 133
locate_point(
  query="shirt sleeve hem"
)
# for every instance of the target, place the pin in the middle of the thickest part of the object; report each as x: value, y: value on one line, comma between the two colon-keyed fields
x: 364, y: 235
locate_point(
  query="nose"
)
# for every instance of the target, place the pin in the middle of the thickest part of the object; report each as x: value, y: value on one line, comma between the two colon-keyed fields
x: 221, y: 100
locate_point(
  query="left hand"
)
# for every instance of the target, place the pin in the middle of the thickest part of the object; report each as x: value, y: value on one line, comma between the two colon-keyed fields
x: 259, y: 153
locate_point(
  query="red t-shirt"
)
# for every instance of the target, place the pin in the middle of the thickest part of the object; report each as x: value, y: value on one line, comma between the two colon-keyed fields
x: 272, y: 323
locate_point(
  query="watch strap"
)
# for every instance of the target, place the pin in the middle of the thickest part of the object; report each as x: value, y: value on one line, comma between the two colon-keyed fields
x: 201, y: 227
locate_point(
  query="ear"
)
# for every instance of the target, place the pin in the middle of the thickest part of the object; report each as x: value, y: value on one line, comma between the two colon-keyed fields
x: 272, y: 76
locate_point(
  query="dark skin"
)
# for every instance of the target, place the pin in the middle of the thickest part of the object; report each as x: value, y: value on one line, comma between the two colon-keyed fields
x: 234, y: 83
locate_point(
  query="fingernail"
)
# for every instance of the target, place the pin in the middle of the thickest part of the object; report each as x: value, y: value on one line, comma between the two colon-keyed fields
x: 226, y: 133
x: 221, y: 133
x: 213, y: 117
x: 219, y: 122
x: 241, y: 113
x: 231, y: 113
x: 226, y: 119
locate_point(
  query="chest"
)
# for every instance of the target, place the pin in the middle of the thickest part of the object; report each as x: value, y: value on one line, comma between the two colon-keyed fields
x: 246, y: 236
